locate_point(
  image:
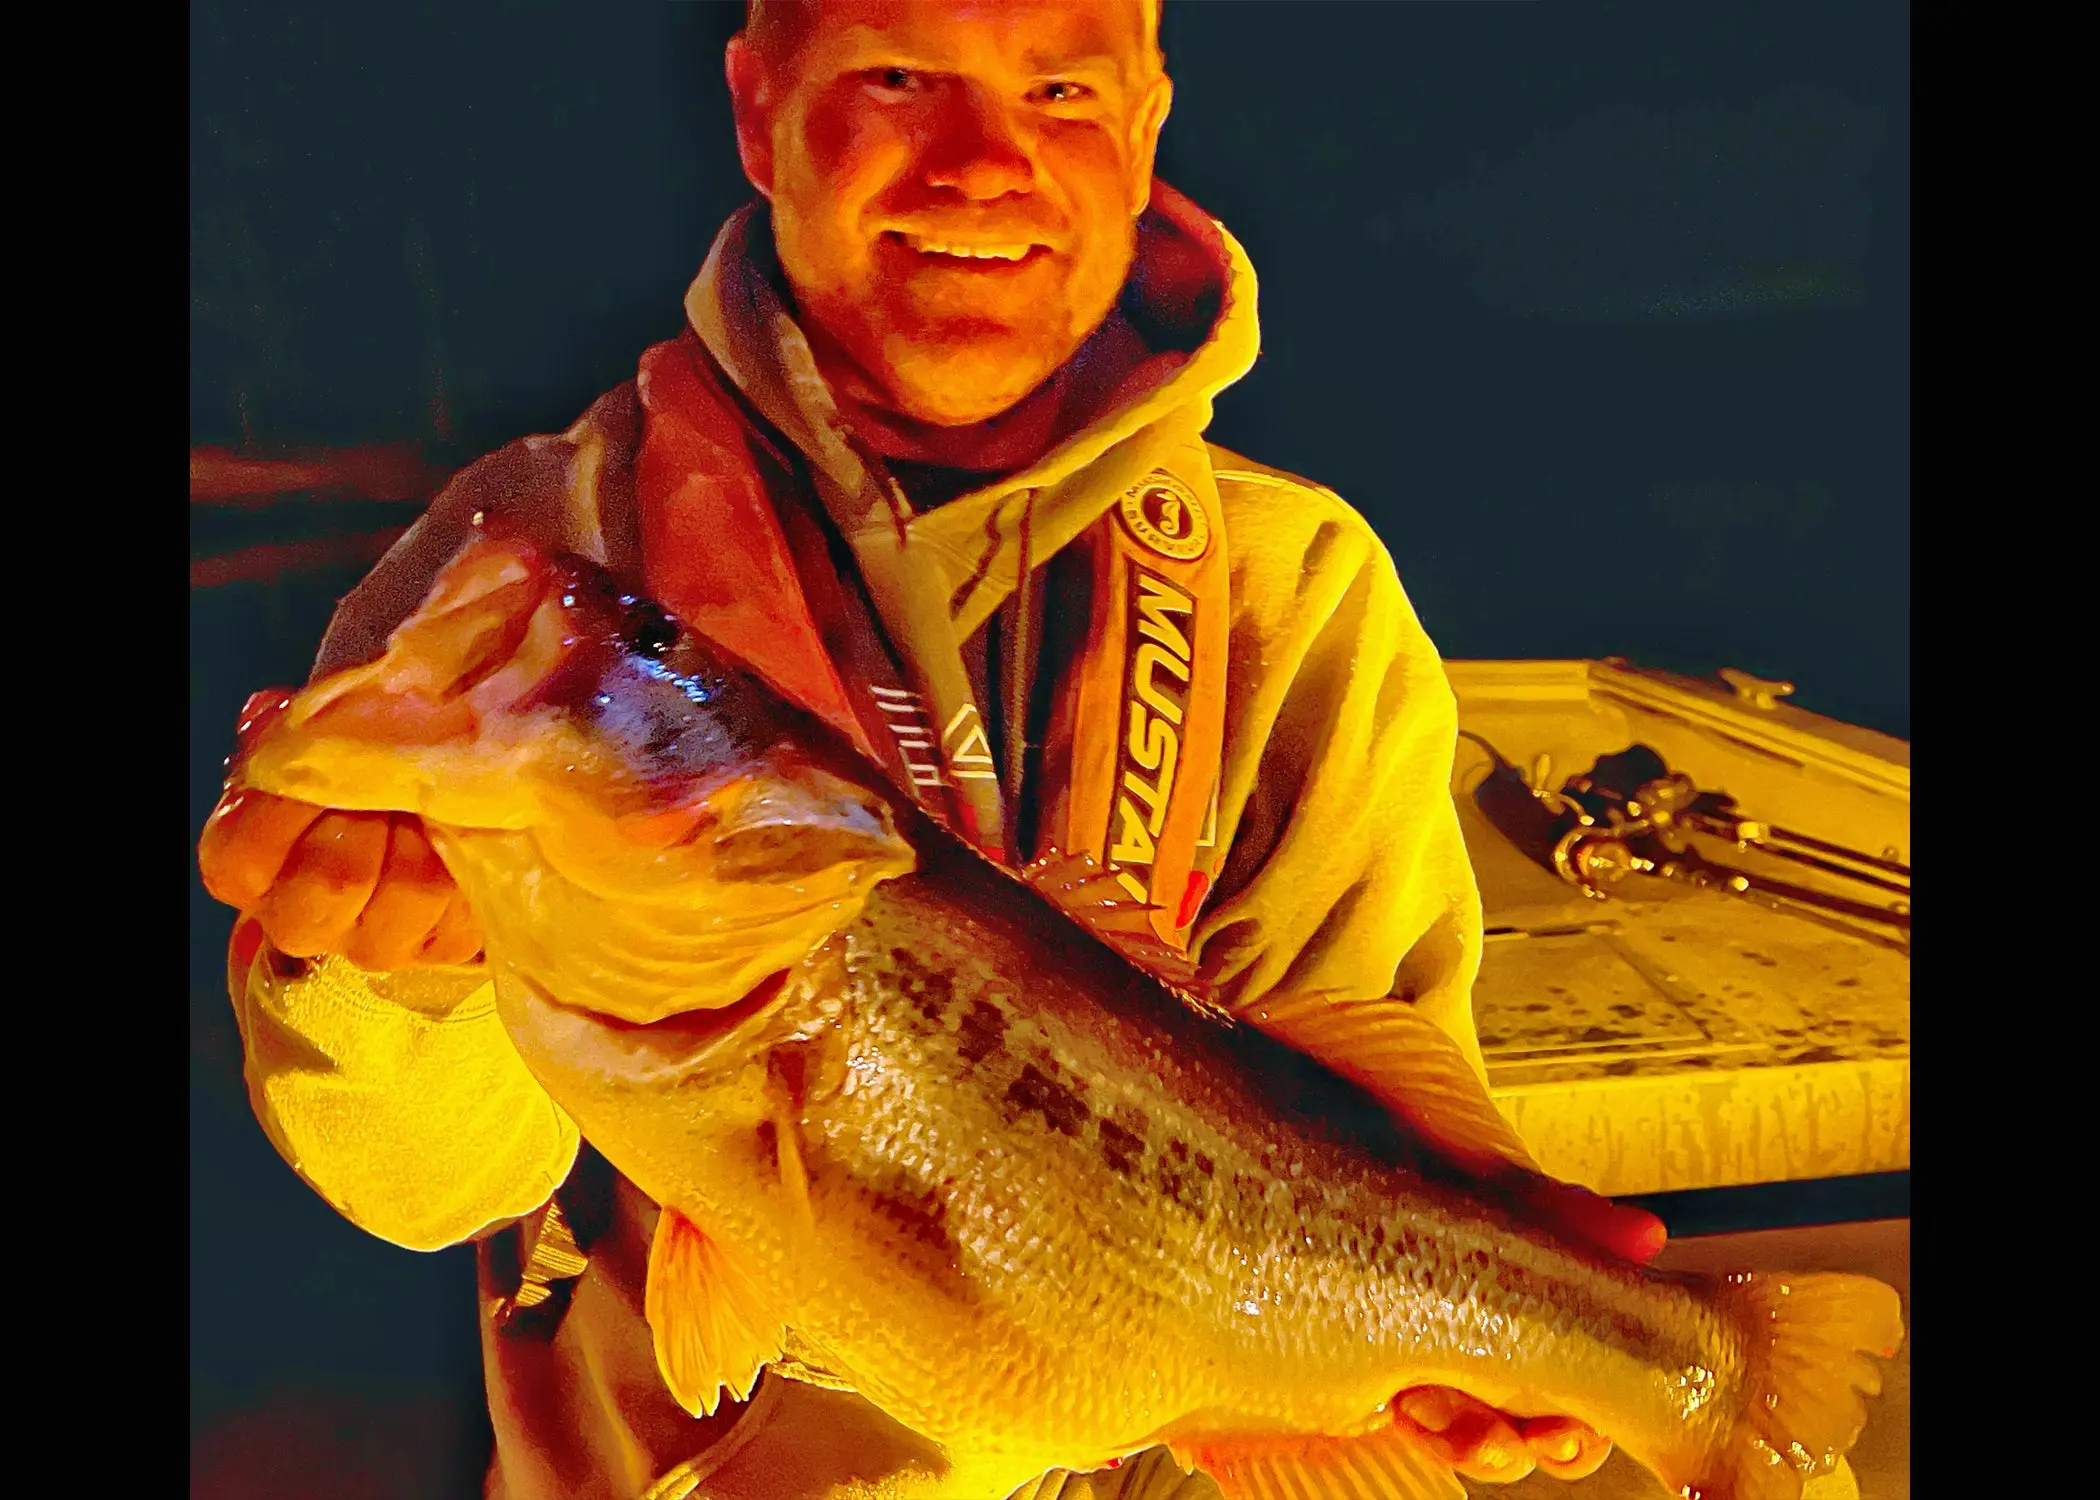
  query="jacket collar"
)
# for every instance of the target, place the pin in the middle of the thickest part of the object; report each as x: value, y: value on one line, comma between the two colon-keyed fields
x: 1191, y: 295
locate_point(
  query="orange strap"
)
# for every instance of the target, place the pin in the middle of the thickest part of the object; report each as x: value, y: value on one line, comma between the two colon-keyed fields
x: 1138, y: 725
x: 1145, y: 715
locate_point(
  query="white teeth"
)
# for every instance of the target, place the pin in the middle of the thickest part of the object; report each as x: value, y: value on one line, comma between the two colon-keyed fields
x: 966, y: 252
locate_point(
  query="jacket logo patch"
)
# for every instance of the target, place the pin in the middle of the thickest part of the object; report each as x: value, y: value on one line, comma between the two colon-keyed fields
x: 1157, y: 695
x: 969, y: 752
x: 1165, y: 516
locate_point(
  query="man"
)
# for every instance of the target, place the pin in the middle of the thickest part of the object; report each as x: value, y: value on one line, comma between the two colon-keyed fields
x: 929, y: 450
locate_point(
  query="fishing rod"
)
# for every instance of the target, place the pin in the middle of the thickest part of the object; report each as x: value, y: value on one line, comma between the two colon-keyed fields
x: 1630, y: 814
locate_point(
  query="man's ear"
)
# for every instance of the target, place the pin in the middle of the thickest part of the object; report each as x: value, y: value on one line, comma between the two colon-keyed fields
x: 751, y: 103
x: 1145, y: 128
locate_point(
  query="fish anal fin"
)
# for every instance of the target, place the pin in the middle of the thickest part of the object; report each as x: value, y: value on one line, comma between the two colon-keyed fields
x: 709, y: 1327
x: 1390, y: 1463
x: 1410, y: 1064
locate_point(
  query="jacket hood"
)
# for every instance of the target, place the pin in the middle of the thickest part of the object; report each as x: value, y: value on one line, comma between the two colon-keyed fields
x: 1191, y: 298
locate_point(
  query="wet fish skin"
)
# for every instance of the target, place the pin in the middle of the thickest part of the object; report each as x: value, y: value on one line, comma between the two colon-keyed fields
x: 1026, y: 1199
x: 1275, y: 1243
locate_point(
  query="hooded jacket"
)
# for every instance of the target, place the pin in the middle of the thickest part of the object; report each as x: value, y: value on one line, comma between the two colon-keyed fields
x: 1197, y: 675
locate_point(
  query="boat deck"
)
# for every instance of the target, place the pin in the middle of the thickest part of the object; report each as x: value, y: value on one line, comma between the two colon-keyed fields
x: 1669, y: 1037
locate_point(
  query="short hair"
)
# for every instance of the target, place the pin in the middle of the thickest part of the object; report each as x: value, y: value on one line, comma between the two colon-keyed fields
x: 774, y: 26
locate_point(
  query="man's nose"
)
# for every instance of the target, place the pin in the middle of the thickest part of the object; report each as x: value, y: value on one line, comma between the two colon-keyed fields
x: 976, y: 150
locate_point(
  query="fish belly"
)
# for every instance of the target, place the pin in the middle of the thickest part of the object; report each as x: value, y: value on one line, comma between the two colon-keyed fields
x: 1026, y: 1245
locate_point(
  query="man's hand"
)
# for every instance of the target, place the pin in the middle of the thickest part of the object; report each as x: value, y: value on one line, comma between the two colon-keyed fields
x: 1493, y: 1447
x: 365, y: 885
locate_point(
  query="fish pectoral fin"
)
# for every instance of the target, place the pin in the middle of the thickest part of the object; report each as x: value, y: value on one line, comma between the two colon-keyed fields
x: 1391, y: 1463
x: 1410, y: 1064
x: 780, y: 1134
x: 709, y: 1327
x: 798, y: 1361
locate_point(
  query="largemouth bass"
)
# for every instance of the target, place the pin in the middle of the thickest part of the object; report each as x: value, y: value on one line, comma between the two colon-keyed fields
x: 916, y: 1131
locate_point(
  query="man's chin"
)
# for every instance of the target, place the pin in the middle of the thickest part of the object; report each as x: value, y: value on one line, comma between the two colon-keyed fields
x: 936, y: 410
x: 958, y: 381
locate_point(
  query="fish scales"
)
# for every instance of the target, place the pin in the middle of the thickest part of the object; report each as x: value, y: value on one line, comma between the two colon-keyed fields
x: 1022, y: 1196
x: 1214, y: 1199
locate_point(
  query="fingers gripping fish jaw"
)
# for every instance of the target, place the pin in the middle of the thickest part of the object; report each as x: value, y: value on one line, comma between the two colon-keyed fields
x: 626, y: 812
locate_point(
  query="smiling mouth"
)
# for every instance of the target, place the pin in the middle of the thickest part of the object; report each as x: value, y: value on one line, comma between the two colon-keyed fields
x: 984, y: 254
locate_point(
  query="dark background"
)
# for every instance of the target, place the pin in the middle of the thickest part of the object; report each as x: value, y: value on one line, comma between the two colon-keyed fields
x: 1600, y: 313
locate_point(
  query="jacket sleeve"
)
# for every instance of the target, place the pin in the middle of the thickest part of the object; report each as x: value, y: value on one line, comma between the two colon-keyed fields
x: 1345, y: 873
x: 398, y: 1097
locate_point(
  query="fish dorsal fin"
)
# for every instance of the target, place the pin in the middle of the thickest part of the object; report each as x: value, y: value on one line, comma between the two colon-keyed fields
x: 1410, y: 1064
x: 1079, y: 887
x: 710, y: 1330
x: 1391, y: 1463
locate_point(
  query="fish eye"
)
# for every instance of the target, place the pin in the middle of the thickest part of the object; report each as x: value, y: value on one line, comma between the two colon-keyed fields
x: 648, y: 629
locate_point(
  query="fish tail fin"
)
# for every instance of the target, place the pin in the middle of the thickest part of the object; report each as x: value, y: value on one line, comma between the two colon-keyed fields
x: 1809, y: 1375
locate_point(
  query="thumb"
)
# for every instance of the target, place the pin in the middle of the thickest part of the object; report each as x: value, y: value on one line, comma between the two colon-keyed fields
x: 258, y: 713
x: 1626, y: 1231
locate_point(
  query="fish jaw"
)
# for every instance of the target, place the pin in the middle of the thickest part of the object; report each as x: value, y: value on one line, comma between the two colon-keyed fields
x: 640, y: 935
x: 459, y: 711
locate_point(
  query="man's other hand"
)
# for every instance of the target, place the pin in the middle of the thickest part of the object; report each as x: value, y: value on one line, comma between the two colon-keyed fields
x: 364, y: 885
x: 1494, y: 1448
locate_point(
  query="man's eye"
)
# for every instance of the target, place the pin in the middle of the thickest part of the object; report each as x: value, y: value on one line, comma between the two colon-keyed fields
x: 894, y: 80
x: 1059, y: 91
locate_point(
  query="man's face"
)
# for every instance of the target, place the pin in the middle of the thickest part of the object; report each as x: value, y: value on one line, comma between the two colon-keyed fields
x: 955, y: 184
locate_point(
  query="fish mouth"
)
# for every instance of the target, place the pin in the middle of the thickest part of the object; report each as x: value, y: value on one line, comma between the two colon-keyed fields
x: 501, y: 621
x: 690, y: 1029
x: 663, y: 1052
